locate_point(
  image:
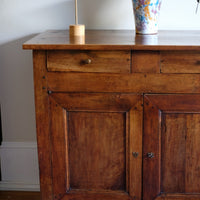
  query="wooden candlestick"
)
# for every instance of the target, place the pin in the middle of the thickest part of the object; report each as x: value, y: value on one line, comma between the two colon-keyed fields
x: 76, y: 30
x: 77, y: 34
x: 76, y: 12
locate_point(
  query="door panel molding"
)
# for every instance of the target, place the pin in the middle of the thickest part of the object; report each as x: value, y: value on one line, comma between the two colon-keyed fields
x: 61, y: 105
x: 180, y: 110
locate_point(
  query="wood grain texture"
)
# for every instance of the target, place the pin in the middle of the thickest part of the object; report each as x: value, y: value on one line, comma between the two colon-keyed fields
x: 117, y: 40
x: 192, y: 171
x: 180, y: 152
x: 180, y: 62
x: 19, y: 195
x: 178, y: 102
x: 105, y: 111
x: 59, y: 140
x: 173, y: 153
x: 99, y: 127
x: 178, y: 197
x: 107, y: 102
x: 132, y: 83
x: 151, y: 143
x: 77, y: 61
x: 135, y: 144
x: 42, y: 123
x: 97, y: 150
x: 177, y: 145
x: 146, y: 61
x: 91, y: 195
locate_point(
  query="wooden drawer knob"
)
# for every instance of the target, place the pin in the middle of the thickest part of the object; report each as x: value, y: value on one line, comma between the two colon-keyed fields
x: 88, y: 61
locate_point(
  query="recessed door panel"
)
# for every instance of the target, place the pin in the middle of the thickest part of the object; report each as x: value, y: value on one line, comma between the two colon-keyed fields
x: 97, y: 151
x: 180, y: 153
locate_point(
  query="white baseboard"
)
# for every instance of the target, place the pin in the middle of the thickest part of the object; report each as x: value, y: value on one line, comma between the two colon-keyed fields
x: 19, y: 166
x: 10, y: 186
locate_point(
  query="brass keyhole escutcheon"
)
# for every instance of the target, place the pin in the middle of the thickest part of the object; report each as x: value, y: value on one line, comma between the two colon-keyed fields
x: 135, y: 154
x: 150, y: 155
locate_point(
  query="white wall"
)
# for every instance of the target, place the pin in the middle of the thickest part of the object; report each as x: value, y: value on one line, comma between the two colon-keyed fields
x: 21, y: 19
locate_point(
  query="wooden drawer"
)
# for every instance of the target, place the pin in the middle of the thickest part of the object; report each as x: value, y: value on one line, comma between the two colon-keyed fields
x: 89, y: 61
x: 145, y: 62
x: 180, y: 62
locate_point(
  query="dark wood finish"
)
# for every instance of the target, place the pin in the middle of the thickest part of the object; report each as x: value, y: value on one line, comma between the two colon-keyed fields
x: 192, y: 162
x: 97, y: 150
x: 180, y: 62
x: 77, y: 61
x: 60, y: 171
x: 14, y: 195
x: 125, y: 126
x: 97, y: 196
x: 132, y: 83
x: 135, y: 128
x: 90, y: 136
x: 117, y: 40
x: 42, y: 122
x: 171, y: 132
x: 181, y: 171
x: 116, y: 102
x: 151, y: 143
x: 146, y: 61
x: 179, y: 102
x: 173, y: 152
x: 178, y: 197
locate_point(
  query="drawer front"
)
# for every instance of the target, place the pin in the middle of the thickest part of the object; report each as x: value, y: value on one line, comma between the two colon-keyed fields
x: 180, y: 62
x: 89, y: 61
x: 146, y: 62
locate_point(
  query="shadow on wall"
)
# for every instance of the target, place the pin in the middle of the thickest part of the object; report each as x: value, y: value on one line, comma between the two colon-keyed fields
x: 16, y: 72
x: 18, y: 19
x: 16, y: 92
x: 57, y: 15
x: 16, y: 76
x: 106, y: 14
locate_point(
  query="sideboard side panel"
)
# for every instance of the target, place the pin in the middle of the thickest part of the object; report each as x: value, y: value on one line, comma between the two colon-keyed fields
x: 42, y: 123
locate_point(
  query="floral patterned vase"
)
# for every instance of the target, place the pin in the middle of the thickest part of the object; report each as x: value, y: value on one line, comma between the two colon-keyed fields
x: 146, y: 14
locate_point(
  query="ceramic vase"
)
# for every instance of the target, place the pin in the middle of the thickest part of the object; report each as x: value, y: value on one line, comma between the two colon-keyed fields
x: 146, y: 13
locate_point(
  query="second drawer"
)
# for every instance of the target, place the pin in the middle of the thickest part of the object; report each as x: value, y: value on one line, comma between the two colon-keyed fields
x: 180, y: 62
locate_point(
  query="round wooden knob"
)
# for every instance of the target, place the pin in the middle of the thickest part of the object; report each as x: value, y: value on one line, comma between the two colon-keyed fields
x: 88, y: 61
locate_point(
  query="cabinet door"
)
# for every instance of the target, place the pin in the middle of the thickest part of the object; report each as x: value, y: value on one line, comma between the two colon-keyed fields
x: 171, y: 151
x: 96, y: 144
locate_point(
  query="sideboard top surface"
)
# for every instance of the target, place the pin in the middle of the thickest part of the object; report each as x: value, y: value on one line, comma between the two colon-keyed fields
x: 116, y: 40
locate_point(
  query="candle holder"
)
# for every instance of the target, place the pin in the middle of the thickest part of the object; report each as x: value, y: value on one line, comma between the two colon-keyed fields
x: 77, y: 31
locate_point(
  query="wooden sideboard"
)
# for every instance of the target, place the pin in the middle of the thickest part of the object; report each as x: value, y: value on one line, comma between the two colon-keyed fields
x: 118, y: 118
